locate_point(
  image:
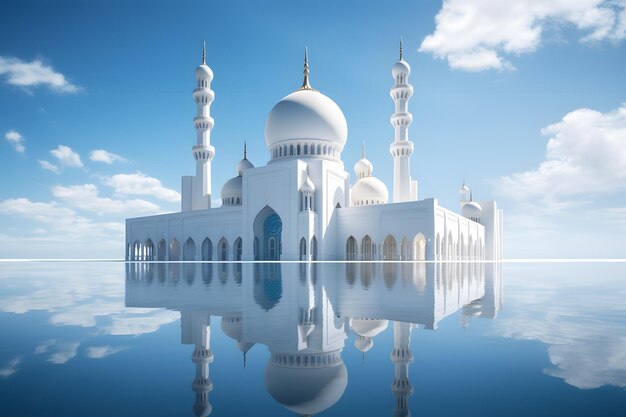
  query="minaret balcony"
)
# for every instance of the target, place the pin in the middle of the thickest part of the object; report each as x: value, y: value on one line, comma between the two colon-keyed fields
x: 203, y: 122
x: 402, y: 91
x: 203, y: 152
x: 399, y: 149
x: 203, y: 96
x: 401, y: 119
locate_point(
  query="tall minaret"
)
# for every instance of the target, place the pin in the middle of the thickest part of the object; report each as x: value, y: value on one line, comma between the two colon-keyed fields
x: 401, y: 149
x: 196, y: 330
x: 401, y: 357
x: 202, y: 151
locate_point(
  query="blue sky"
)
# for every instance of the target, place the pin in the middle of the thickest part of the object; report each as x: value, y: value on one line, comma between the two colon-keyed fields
x: 524, y: 101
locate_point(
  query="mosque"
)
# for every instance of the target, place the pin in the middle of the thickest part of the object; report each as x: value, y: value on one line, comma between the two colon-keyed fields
x: 302, y: 205
x: 304, y: 313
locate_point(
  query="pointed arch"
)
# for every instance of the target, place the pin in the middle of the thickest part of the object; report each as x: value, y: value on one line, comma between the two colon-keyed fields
x: 222, y: 249
x: 303, y: 249
x: 404, y: 249
x: 161, y: 250
x: 390, y: 249
x: 449, y: 246
x: 149, y: 249
x: 189, y: 250
x: 366, y: 248
x: 237, y: 249
x: 207, y: 250
x: 419, y: 247
x: 268, y: 228
x: 351, y: 249
x: 174, y: 250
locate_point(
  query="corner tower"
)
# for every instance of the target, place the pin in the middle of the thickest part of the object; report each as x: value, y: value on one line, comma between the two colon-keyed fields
x: 404, y: 189
x: 197, y: 190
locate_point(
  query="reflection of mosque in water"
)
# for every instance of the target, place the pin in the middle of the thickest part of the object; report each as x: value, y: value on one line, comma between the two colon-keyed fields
x: 304, y: 312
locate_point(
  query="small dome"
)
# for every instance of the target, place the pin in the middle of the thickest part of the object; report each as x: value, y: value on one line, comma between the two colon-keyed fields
x: 363, y: 344
x: 243, y: 165
x: 400, y: 67
x: 306, y: 391
x: 363, y: 168
x: 368, y: 327
x: 307, y: 184
x: 202, y: 410
x: 369, y: 190
x: 464, y: 189
x: 245, y: 346
x: 232, y: 327
x: 203, y: 72
x: 472, y: 210
x: 306, y: 114
x: 232, y: 191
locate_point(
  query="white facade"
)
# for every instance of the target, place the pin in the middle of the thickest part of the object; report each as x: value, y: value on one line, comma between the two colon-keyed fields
x: 302, y: 206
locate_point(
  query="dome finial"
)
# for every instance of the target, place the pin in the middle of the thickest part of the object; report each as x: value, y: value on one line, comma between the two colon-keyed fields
x: 245, y: 151
x: 363, y: 150
x: 400, y: 48
x: 204, y: 52
x: 305, y: 83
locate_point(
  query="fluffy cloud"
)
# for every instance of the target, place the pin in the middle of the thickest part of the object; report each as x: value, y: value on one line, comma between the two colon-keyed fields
x: 586, y: 155
x: 85, y: 197
x: 16, y: 140
x: 48, y: 166
x: 474, y: 35
x: 11, y: 367
x: 100, y: 155
x: 140, y: 184
x: 34, y: 74
x: 67, y: 157
x: 99, y: 352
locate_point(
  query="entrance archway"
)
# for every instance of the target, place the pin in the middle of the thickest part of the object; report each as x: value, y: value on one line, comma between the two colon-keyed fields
x: 268, y: 228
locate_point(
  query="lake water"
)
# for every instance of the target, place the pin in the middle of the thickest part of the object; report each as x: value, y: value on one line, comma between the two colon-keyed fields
x: 328, y: 339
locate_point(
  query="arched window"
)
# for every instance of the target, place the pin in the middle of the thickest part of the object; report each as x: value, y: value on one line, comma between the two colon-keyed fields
x: 366, y: 248
x: 189, y: 250
x: 390, y: 249
x: 351, y: 249
x: 290, y: 150
x: 298, y: 149
x: 303, y: 249
x: 419, y: 247
x: 404, y: 249
x: 237, y: 249
x: 207, y: 250
x: 222, y: 248
x: 174, y: 250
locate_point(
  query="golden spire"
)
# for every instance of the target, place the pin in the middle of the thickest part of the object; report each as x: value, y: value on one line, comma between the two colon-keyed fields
x: 400, y: 48
x: 305, y: 83
x: 204, y: 52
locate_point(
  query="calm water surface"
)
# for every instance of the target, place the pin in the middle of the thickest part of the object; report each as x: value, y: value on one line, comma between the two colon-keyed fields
x: 115, y: 339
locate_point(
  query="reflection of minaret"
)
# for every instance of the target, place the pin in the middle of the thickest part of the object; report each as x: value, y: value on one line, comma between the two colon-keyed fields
x: 196, y: 330
x: 401, y: 357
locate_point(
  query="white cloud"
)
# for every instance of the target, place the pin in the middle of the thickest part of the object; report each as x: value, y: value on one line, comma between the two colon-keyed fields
x: 99, y: 352
x: 140, y: 184
x: 48, y: 166
x: 34, y: 74
x: 586, y: 155
x: 474, y: 35
x: 100, y: 155
x: 67, y: 157
x: 64, y: 352
x: 85, y: 197
x: 11, y: 367
x: 16, y: 140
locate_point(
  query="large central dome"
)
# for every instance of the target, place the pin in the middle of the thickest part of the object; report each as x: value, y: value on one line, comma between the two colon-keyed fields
x: 306, y: 123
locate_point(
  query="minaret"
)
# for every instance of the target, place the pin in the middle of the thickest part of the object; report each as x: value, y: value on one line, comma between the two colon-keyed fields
x: 401, y: 149
x: 202, y: 151
x: 401, y: 357
x: 196, y: 330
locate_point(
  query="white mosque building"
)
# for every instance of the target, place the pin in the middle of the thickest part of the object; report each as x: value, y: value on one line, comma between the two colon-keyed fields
x: 302, y: 205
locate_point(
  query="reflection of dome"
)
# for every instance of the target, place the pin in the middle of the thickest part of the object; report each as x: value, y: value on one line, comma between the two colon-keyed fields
x: 368, y: 327
x: 306, y: 391
x: 363, y: 344
x: 202, y: 410
x: 369, y: 190
x: 306, y: 115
